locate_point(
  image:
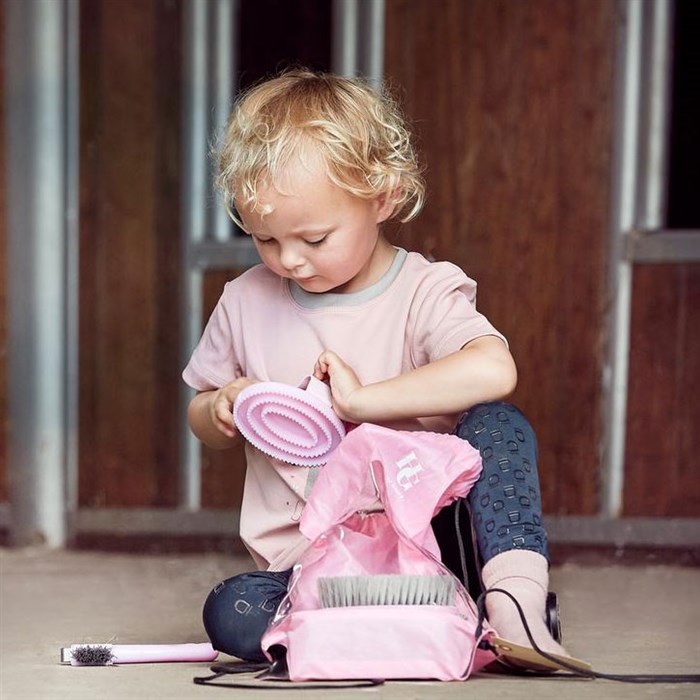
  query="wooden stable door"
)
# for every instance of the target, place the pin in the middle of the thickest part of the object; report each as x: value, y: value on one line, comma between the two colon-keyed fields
x: 513, y: 105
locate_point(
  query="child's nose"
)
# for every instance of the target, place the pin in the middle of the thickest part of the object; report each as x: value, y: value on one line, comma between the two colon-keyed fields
x: 291, y: 258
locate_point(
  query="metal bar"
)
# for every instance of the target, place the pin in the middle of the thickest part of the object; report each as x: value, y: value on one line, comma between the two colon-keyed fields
x: 657, y: 57
x: 190, y: 492
x: 72, y: 301
x: 36, y: 132
x: 237, y: 253
x: 344, y: 60
x: 566, y: 529
x: 194, y: 199
x: 670, y: 246
x: 372, y: 41
x: 614, y: 379
x: 140, y: 521
x: 640, y: 532
x: 196, y: 119
x: 211, y: 40
x: 225, y: 70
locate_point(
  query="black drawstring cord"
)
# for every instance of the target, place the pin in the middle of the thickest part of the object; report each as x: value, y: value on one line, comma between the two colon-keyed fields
x: 586, y: 673
x: 273, y: 677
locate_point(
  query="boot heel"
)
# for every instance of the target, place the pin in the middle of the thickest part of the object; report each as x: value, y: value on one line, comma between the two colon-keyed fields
x: 551, y: 617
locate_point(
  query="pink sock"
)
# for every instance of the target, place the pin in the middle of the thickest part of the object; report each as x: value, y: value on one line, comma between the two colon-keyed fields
x: 525, y: 575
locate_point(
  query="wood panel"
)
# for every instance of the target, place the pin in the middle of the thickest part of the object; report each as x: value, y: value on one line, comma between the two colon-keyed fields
x: 129, y: 189
x: 663, y: 439
x: 512, y: 102
x: 130, y: 374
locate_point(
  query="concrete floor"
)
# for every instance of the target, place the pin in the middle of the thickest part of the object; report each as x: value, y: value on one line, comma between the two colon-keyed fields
x: 622, y: 619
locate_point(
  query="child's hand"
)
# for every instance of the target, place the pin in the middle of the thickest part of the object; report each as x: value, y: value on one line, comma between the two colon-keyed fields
x: 343, y: 382
x: 221, y: 405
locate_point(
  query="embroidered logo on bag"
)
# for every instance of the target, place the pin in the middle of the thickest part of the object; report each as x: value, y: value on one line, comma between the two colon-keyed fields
x: 409, y: 467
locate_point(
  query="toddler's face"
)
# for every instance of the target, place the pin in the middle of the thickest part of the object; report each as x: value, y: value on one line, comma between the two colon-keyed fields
x: 317, y: 234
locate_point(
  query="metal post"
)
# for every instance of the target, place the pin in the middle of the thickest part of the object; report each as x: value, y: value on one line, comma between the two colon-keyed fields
x: 620, y: 276
x: 654, y: 146
x: 72, y: 159
x: 372, y: 39
x: 638, y: 203
x: 225, y: 54
x: 209, y: 70
x: 344, y: 60
x: 358, y: 39
x: 194, y: 198
x: 41, y: 212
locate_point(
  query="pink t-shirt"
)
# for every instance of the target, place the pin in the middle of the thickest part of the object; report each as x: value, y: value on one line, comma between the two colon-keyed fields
x: 268, y: 328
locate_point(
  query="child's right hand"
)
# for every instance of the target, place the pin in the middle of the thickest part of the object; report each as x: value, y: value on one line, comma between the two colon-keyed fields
x: 221, y: 405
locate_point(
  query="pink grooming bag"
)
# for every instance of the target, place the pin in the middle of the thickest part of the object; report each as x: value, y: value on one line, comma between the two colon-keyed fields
x: 369, y: 513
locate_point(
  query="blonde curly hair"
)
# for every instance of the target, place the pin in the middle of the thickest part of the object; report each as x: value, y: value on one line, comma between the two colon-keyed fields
x: 358, y: 131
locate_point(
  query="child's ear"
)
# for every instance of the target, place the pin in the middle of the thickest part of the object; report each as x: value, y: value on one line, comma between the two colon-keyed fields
x: 386, y: 204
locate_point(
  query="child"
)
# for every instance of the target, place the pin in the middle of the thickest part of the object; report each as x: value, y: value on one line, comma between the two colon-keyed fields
x: 311, y: 166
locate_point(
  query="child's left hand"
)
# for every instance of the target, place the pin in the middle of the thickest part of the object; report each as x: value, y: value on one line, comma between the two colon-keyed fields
x: 343, y: 382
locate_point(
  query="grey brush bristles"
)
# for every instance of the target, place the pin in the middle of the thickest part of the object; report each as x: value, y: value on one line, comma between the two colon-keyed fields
x: 386, y: 589
x: 92, y: 655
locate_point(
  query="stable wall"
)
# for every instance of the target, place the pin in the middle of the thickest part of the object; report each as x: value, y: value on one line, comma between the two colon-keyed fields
x: 513, y: 104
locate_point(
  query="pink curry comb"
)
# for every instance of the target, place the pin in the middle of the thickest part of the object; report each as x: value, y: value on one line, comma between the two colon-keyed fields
x: 293, y: 424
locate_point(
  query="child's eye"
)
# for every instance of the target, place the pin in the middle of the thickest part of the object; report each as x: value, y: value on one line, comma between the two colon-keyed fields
x: 318, y: 241
x: 264, y: 241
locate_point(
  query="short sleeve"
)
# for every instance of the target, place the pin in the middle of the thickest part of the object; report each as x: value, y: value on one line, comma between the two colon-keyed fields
x: 214, y: 361
x: 444, y: 317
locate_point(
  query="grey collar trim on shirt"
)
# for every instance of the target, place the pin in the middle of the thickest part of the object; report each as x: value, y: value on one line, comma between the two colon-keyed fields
x: 310, y: 300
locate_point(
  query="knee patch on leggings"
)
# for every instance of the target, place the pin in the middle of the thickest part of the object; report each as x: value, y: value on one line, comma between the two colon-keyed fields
x: 505, y: 501
x: 238, y: 610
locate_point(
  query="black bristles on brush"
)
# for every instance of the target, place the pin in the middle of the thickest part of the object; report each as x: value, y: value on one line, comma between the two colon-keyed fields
x: 92, y: 655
